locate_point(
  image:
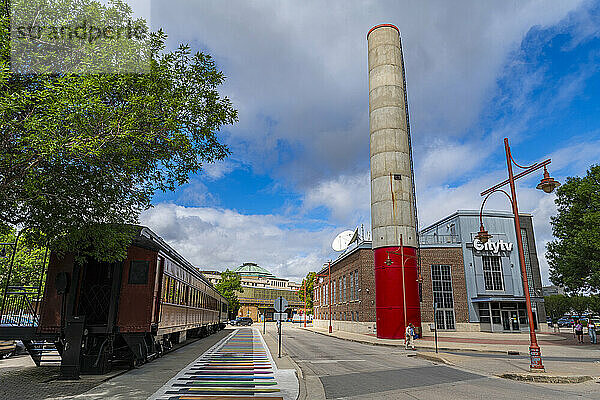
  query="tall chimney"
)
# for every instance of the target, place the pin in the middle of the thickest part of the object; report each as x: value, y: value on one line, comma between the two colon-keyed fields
x: 393, y: 216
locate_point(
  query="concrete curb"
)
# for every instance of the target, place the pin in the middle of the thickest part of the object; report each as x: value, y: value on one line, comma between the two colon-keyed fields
x: 422, y: 348
x: 543, y: 378
x: 434, y: 358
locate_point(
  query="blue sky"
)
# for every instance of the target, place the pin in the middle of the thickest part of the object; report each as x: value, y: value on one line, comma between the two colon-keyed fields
x: 299, y: 171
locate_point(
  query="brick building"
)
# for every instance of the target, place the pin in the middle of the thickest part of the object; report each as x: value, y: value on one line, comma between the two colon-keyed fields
x: 475, y: 287
x: 352, y: 291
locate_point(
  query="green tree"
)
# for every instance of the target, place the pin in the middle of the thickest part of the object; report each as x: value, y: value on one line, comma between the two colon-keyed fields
x: 574, y: 256
x: 556, y: 306
x: 28, y: 265
x: 229, y: 285
x: 579, y: 304
x: 82, y: 154
x: 309, y: 283
x: 595, y: 304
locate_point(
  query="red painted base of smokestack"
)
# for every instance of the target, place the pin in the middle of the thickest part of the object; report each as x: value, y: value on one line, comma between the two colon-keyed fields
x: 389, y: 299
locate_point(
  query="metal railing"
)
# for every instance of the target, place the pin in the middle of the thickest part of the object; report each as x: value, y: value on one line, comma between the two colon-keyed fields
x: 439, y: 239
x: 20, y: 306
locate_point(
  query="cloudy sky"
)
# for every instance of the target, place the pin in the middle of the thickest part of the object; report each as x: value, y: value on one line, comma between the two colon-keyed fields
x: 297, y: 72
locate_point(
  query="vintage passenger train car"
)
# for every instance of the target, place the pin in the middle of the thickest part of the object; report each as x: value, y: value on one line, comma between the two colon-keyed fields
x: 99, y: 313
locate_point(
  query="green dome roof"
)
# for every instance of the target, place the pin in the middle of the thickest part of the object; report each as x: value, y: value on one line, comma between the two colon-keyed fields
x: 251, y: 269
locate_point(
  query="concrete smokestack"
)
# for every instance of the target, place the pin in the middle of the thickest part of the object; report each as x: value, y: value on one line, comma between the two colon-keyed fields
x: 393, y: 217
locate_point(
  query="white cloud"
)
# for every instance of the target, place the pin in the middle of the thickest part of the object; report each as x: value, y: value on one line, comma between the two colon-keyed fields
x: 217, y: 239
x: 219, y: 169
x: 347, y: 197
x: 297, y: 70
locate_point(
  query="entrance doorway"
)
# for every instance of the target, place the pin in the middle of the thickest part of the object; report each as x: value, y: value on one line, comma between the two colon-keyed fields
x: 510, y: 320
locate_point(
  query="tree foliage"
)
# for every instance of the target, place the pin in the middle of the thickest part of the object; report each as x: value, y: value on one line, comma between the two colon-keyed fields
x: 228, y: 286
x: 28, y: 264
x: 579, y: 304
x: 594, y: 304
x: 556, y: 306
x: 309, y: 283
x: 81, y: 154
x: 574, y: 256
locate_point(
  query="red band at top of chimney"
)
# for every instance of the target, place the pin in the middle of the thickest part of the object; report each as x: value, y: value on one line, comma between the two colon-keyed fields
x: 383, y: 26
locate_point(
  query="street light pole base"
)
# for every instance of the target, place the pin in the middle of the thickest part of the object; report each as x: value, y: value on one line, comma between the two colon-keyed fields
x: 537, y: 370
x: 330, y: 329
x: 535, y: 356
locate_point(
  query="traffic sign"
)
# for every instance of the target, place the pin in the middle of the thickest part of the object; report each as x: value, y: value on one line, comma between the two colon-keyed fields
x: 280, y: 304
x: 280, y: 316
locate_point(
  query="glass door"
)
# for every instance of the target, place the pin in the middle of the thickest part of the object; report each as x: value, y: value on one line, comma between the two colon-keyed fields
x: 506, y: 320
x: 514, y: 319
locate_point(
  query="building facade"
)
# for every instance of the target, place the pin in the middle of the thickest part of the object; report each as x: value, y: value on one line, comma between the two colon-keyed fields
x: 492, y: 273
x: 260, y: 289
x: 463, y: 284
x: 352, y: 291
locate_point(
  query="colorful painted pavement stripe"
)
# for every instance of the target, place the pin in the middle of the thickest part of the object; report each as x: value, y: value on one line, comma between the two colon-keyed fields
x: 237, y: 367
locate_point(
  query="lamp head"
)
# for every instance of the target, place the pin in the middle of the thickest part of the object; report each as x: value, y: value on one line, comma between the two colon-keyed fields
x: 483, y: 235
x: 547, y: 184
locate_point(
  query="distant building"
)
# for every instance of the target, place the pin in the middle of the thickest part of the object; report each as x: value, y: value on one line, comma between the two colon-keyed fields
x: 552, y: 290
x: 261, y: 288
x: 476, y: 287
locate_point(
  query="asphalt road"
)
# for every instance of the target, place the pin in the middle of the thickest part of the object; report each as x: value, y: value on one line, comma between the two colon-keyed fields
x: 348, y: 370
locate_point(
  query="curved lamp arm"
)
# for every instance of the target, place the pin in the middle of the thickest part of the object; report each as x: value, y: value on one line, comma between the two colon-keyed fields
x: 486, y: 197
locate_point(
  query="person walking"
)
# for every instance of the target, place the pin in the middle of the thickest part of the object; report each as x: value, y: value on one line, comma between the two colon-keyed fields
x: 592, y: 332
x: 409, y: 334
x: 579, y: 331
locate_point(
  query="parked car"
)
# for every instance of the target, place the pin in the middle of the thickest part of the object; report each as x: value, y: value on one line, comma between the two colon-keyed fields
x: 242, y: 321
x: 565, y: 322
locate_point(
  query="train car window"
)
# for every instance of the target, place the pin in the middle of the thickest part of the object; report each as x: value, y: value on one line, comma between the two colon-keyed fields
x: 165, y: 288
x: 138, y: 272
x: 172, y: 291
x: 181, y: 293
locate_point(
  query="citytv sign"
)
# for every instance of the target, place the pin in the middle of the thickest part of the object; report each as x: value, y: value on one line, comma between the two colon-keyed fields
x: 494, y: 247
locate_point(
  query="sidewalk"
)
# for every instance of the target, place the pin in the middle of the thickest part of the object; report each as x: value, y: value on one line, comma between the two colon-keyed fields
x: 489, y: 352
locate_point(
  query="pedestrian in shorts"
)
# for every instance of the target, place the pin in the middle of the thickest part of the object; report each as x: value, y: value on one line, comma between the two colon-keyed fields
x: 409, y: 335
x: 579, y: 331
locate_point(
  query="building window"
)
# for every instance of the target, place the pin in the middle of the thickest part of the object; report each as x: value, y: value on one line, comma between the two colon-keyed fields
x: 356, y: 284
x: 333, y: 290
x: 441, y: 281
x: 351, y: 286
x: 492, y: 273
x: 345, y: 288
x: 340, y: 290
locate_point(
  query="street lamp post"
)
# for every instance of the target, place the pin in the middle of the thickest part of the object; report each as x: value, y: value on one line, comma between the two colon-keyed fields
x: 305, y: 303
x: 328, y: 295
x: 548, y: 185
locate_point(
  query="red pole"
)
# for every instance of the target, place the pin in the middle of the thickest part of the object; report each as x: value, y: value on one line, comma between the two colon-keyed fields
x: 305, y: 303
x: 329, y: 289
x: 535, y: 354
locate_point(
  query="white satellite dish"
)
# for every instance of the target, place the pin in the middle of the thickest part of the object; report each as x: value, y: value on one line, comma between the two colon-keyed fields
x: 342, y: 240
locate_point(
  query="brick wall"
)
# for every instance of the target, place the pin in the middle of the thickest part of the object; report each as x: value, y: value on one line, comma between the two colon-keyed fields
x: 362, y: 260
x: 445, y: 256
